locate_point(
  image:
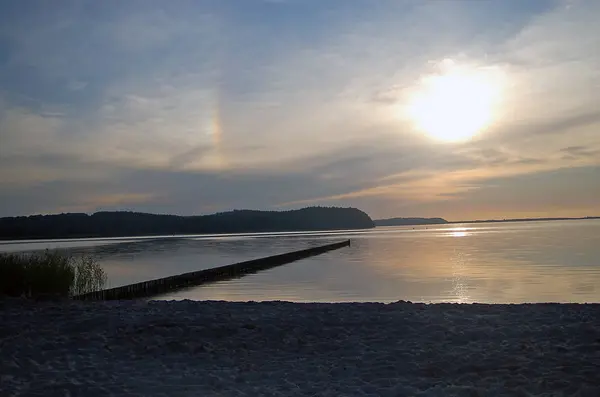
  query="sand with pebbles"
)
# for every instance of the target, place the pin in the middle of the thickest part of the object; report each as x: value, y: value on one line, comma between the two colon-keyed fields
x: 188, y: 348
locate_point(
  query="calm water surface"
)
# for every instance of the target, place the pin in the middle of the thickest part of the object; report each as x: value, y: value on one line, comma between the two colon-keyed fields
x: 492, y: 263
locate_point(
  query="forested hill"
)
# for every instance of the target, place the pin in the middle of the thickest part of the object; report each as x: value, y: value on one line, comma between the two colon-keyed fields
x: 410, y: 221
x: 116, y: 224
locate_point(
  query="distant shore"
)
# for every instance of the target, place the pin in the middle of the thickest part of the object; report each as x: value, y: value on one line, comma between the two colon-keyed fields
x: 278, y: 348
x: 442, y: 221
x: 125, y: 224
x: 526, y: 220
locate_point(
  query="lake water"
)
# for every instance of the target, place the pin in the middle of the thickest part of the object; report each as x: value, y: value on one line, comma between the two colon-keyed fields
x: 489, y: 263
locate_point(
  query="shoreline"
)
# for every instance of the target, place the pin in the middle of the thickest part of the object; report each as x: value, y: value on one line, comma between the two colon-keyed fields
x: 290, y: 232
x: 217, y: 348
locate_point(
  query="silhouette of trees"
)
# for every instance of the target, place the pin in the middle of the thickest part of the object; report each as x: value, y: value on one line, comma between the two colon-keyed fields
x: 117, y: 224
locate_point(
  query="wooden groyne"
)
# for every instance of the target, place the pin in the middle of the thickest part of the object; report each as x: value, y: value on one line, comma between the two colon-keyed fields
x: 164, y: 285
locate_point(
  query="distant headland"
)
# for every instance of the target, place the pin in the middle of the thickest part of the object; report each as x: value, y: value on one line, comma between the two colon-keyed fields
x: 121, y: 224
x: 526, y: 220
x: 441, y: 221
x: 409, y: 221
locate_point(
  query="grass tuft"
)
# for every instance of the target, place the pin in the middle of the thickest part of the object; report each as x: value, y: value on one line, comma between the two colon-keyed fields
x: 51, y: 274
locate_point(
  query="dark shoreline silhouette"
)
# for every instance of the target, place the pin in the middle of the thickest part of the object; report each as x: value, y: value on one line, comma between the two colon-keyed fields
x: 441, y: 221
x: 526, y: 220
x: 410, y: 221
x: 125, y: 224
x: 122, y: 224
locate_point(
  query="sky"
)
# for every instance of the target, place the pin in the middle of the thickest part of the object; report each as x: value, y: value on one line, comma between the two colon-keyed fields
x: 455, y: 109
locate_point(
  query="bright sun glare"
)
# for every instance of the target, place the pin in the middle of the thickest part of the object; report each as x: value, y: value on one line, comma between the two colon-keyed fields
x: 455, y: 105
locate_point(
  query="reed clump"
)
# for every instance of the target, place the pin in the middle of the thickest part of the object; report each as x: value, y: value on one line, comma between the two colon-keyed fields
x: 49, y: 275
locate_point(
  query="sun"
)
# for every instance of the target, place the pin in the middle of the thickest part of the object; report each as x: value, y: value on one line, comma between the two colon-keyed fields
x: 455, y: 105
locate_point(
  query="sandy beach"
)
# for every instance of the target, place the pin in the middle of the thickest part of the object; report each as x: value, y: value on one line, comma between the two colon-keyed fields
x: 190, y: 348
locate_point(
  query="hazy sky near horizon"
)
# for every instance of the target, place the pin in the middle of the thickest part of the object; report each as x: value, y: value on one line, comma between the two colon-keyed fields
x: 193, y: 107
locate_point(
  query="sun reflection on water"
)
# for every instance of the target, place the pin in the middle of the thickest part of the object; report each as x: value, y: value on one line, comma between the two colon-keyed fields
x: 458, y: 232
x: 460, y: 287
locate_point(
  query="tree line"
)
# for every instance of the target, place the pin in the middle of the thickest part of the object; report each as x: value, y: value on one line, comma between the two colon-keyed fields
x: 121, y: 223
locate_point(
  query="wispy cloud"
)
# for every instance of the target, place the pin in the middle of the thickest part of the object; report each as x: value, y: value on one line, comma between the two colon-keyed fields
x: 233, y: 96
x: 76, y: 85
